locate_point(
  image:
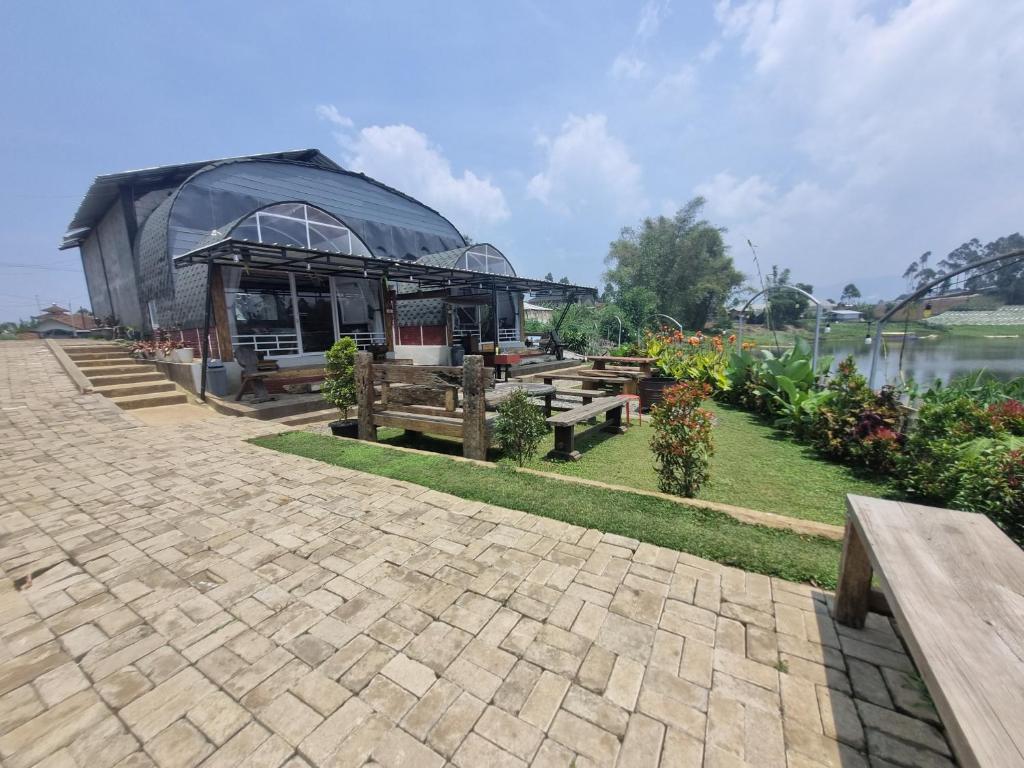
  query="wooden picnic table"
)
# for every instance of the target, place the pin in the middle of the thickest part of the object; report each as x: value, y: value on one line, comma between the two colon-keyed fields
x: 502, y: 391
x: 643, y: 363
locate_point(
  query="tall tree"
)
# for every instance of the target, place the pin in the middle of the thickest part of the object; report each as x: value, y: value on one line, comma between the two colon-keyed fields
x: 682, y: 261
x: 1005, y: 281
x: 850, y: 293
x: 785, y: 306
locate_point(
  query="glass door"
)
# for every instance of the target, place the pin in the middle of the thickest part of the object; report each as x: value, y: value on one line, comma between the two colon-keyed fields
x: 316, y: 318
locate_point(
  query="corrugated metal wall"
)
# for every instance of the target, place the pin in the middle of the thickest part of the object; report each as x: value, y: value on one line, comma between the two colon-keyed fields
x: 110, y: 238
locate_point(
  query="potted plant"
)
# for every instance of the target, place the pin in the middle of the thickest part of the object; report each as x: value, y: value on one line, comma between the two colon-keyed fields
x: 666, y: 370
x: 339, y: 388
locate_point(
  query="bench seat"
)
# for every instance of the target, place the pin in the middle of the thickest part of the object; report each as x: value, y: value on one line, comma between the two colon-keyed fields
x: 955, y: 584
x: 565, y: 424
x: 422, y: 422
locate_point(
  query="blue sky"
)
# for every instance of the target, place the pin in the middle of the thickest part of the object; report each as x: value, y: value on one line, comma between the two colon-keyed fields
x: 843, y: 137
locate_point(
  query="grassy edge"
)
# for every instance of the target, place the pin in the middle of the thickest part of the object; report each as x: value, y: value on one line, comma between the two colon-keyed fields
x: 701, y: 532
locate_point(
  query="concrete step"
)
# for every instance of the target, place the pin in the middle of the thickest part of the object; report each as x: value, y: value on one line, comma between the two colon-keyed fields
x: 103, y: 362
x: 132, y: 402
x: 136, y: 388
x: 113, y: 354
x: 313, y: 417
x: 110, y: 370
x: 125, y: 378
x: 82, y: 348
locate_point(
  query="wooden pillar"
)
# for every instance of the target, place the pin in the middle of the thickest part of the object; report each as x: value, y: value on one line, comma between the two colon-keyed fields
x: 474, y: 409
x: 220, y: 315
x: 364, y: 396
x: 853, y: 593
x: 522, y: 318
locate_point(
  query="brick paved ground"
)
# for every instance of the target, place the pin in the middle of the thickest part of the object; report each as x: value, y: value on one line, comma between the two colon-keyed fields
x: 209, y: 602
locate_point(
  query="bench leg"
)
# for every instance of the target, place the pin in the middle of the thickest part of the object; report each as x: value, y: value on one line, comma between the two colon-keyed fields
x: 565, y: 444
x: 547, y: 405
x: 591, y: 385
x: 854, y: 590
x: 630, y: 387
x: 613, y: 421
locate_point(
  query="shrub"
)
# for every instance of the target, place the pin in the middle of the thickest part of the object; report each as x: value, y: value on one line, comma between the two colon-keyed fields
x: 519, y: 427
x: 682, y: 438
x: 992, y: 483
x: 339, y: 388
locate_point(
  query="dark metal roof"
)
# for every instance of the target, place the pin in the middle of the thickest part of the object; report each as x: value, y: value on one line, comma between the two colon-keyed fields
x: 287, y: 258
x: 104, y: 189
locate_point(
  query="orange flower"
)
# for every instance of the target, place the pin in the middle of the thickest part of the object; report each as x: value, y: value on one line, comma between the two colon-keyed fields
x: 732, y: 338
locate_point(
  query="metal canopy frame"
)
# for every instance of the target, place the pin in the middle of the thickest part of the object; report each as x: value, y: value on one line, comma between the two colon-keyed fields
x: 291, y: 258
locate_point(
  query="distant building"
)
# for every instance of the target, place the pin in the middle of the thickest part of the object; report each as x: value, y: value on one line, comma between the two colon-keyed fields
x: 57, y: 322
x: 845, y: 316
x: 537, y: 312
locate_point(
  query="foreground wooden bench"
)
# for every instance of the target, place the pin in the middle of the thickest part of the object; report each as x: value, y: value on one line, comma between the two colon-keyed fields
x: 424, y: 398
x: 565, y: 425
x: 955, y: 584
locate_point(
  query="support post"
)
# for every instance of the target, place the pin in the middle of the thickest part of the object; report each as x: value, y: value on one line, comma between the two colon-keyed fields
x: 854, y: 590
x: 205, y: 340
x: 739, y: 333
x: 876, y: 353
x: 221, y: 322
x: 494, y: 315
x: 474, y: 409
x: 817, y: 340
x: 364, y: 396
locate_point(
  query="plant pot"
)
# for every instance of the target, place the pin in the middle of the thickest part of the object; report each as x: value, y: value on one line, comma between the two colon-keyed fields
x: 345, y: 428
x: 183, y: 355
x: 651, y: 390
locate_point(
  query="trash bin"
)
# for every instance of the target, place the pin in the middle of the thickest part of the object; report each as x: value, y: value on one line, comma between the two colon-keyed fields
x: 216, y: 378
x: 458, y: 354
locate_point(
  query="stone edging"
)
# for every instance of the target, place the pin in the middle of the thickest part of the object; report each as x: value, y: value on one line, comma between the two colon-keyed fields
x: 744, y: 515
x: 77, y: 377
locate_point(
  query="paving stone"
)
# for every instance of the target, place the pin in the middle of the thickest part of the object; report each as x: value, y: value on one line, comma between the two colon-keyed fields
x: 477, y: 751
x: 180, y: 745
x: 596, y: 709
x: 326, y: 738
x: 451, y: 728
x: 584, y: 738
x: 155, y: 710
x: 18, y: 706
x: 321, y: 693
x: 544, y: 701
x: 388, y: 698
x: 51, y: 730
x: 218, y: 717
x: 901, y: 726
x: 398, y: 749
x: 508, y: 732
x: 909, y: 695
x: 123, y: 687
x: 57, y: 684
x: 517, y: 686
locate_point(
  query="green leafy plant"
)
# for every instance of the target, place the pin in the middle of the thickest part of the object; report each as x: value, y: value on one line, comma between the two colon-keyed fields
x: 682, y: 442
x: 339, y: 387
x: 519, y: 427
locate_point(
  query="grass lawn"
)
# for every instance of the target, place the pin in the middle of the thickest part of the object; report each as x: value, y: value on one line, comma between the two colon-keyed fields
x: 704, y: 533
x: 753, y: 466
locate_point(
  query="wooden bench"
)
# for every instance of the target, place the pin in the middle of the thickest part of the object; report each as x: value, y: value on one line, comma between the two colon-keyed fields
x: 425, y: 398
x: 624, y: 384
x: 588, y: 395
x: 565, y: 425
x: 955, y: 584
x: 642, y: 363
x: 254, y: 371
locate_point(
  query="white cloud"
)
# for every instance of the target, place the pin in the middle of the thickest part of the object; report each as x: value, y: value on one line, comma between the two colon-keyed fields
x: 627, y: 67
x: 403, y: 157
x: 904, y: 126
x: 588, y: 168
x: 651, y: 16
x: 677, y: 86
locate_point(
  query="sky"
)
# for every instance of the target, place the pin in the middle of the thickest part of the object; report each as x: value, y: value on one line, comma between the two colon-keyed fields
x: 841, y: 138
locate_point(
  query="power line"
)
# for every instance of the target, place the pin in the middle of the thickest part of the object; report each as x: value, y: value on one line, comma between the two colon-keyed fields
x: 37, y: 266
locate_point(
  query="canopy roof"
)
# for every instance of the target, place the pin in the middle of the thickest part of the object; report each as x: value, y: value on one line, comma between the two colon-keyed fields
x: 231, y: 252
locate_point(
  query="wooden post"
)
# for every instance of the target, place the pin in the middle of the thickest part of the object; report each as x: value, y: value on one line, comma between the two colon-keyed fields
x: 221, y: 321
x: 474, y: 409
x: 613, y: 422
x: 565, y: 443
x: 364, y: 396
x: 854, y: 590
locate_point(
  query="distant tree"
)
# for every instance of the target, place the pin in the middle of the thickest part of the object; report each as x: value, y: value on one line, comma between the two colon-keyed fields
x: 549, y: 277
x: 785, y: 307
x: 1006, y: 282
x: 682, y: 261
x: 564, y: 280
x: 850, y: 294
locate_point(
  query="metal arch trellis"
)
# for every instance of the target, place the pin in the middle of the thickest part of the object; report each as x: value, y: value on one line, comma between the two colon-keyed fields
x: 817, y: 316
x: 876, y: 343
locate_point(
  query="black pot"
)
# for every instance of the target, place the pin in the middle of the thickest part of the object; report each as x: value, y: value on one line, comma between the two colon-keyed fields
x: 651, y: 390
x: 345, y: 428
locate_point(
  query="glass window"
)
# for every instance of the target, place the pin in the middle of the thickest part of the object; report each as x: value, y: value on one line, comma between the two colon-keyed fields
x: 302, y: 225
x: 259, y: 304
x: 486, y: 258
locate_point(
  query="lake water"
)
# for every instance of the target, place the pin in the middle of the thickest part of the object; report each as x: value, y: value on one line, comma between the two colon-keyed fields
x: 926, y: 359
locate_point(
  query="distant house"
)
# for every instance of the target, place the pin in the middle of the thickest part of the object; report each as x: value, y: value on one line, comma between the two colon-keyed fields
x: 57, y: 322
x: 845, y: 316
x: 537, y: 312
